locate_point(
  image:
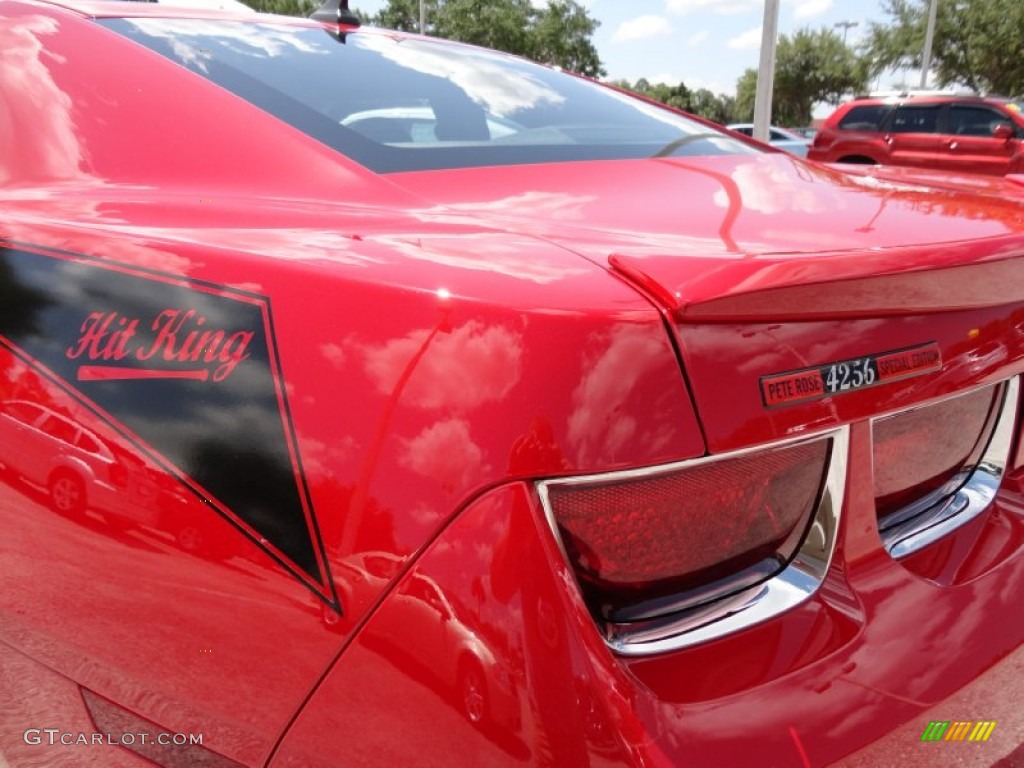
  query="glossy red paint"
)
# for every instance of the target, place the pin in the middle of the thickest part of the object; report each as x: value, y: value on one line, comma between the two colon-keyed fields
x: 846, y: 675
x: 1018, y: 451
x: 729, y: 255
x: 442, y: 341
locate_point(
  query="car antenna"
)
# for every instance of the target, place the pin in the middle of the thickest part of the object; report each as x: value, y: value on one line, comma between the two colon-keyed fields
x: 336, y: 12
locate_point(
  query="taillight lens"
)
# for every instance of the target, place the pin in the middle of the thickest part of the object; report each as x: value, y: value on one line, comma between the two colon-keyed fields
x: 928, y: 453
x: 648, y: 544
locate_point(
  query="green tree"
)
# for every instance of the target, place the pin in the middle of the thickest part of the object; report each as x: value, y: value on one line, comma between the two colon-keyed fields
x: 810, y: 67
x: 677, y: 96
x: 284, y: 7
x: 558, y: 34
x: 977, y: 42
x: 404, y: 15
x: 746, y: 92
x: 813, y: 66
x: 717, y: 108
x: 504, y: 25
x: 562, y: 35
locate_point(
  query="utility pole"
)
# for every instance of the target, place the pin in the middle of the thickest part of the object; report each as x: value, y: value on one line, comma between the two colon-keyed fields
x: 423, y: 19
x: 929, y: 38
x: 846, y: 28
x: 766, y: 70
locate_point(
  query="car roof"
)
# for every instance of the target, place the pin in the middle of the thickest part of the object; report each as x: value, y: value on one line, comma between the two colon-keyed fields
x: 930, y: 98
x: 204, y: 9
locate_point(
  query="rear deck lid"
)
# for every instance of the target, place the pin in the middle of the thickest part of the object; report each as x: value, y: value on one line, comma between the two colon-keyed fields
x: 770, y: 267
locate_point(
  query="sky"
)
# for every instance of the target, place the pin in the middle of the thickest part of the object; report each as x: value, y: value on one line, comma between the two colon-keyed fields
x: 703, y: 43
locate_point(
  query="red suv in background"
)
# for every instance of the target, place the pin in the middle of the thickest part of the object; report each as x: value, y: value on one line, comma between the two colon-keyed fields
x: 955, y: 133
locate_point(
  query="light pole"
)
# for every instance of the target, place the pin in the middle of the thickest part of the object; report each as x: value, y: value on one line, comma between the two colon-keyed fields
x: 926, y: 56
x: 423, y: 19
x: 846, y: 28
x: 766, y: 70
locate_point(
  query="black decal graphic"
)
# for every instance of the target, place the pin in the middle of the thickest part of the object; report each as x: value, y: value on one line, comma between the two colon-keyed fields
x: 186, y: 370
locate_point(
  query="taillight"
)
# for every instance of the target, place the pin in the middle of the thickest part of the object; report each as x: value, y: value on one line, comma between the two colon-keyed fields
x: 822, y: 138
x: 929, y: 451
x: 940, y: 465
x: 654, y: 551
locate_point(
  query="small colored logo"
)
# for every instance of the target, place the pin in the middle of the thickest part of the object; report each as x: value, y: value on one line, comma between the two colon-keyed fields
x: 944, y: 730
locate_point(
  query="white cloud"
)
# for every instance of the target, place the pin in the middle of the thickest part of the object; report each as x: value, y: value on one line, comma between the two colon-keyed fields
x: 715, y: 86
x: 808, y: 9
x: 853, y: 37
x: 641, y: 28
x: 749, y: 40
x: 698, y: 38
x: 681, y: 7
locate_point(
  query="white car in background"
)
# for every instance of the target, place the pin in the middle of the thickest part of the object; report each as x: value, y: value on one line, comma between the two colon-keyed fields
x: 76, y: 467
x: 777, y: 137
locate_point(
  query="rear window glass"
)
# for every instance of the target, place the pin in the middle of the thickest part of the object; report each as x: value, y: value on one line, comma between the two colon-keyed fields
x: 865, y: 118
x: 395, y: 103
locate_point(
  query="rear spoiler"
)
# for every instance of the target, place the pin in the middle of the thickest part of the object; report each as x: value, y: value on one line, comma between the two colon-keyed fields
x: 875, y: 283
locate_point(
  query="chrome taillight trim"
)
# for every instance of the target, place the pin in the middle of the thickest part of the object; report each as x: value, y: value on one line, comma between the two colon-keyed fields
x: 795, y: 584
x: 978, y: 491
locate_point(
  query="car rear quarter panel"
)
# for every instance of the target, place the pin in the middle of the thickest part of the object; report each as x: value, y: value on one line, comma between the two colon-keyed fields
x: 408, y: 397
x: 419, y: 359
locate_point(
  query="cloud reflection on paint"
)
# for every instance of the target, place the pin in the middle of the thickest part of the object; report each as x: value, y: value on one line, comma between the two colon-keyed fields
x: 35, y: 114
x: 598, y: 425
x: 445, y: 452
x: 473, y: 365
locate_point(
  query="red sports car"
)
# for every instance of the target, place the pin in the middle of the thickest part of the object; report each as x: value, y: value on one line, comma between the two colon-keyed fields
x: 488, y: 416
